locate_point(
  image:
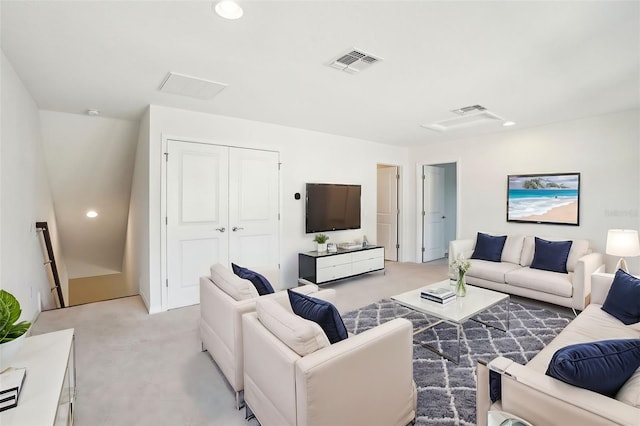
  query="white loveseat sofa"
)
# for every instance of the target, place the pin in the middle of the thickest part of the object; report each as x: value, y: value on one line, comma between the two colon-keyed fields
x: 542, y: 400
x: 224, y: 298
x: 514, y: 276
x: 366, y: 379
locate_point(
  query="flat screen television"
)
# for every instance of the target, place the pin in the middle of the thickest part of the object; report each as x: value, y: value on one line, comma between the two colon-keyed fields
x: 332, y: 207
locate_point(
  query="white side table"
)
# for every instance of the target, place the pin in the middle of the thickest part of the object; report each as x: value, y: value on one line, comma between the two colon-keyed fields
x: 502, y: 418
x: 48, y: 393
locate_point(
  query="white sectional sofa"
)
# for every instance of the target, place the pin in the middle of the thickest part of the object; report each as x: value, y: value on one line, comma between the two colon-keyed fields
x: 528, y: 393
x: 513, y: 274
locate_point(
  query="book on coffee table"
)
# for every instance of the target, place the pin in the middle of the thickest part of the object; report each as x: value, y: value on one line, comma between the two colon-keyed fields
x: 438, y: 300
x: 441, y: 295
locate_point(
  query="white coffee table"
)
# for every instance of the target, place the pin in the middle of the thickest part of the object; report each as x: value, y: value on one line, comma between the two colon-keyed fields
x: 457, y: 312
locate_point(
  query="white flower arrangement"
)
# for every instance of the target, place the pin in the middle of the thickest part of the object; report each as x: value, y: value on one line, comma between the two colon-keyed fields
x: 461, y: 265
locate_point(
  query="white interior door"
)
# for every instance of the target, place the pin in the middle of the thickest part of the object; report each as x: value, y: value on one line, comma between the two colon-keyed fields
x: 197, y: 217
x: 387, y: 229
x: 253, y: 208
x: 433, y: 213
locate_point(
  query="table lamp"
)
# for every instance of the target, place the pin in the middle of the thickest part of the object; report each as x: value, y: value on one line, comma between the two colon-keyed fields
x: 623, y: 243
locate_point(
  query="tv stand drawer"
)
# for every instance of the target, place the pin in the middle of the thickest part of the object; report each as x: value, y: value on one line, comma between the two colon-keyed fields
x: 329, y: 261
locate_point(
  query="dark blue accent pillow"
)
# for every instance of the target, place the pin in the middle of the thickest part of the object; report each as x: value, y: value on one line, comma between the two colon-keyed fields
x: 488, y: 247
x: 321, y: 312
x: 601, y: 367
x: 551, y: 255
x: 495, y: 385
x: 623, y: 300
x: 259, y: 282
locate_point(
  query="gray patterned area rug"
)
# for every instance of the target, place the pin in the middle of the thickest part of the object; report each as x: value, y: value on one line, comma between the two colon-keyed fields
x: 446, y: 391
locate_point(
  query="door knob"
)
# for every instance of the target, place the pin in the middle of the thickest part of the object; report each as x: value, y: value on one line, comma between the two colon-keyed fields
x: 235, y: 228
x: 221, y: 229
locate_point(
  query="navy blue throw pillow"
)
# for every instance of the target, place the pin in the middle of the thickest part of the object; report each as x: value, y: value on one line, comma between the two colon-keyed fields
x: 601, y: 367
x: 495, y: 385
x: 488, y: 247
x: 321, y: 312
x: 623, y: 300
x: 551, y: 255
x: 259, y: 282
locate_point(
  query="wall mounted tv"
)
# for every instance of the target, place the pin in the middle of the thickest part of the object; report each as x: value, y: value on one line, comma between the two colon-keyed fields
x: 332, y: 207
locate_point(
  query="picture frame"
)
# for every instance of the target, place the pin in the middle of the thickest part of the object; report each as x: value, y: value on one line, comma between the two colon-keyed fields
x: 546, y: 198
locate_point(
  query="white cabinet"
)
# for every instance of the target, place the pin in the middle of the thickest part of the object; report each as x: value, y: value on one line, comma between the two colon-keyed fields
x: 319, y: 268
x: 48, y: 393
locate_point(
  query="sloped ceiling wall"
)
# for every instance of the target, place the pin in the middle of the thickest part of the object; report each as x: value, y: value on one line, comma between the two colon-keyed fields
x: 90, y: 162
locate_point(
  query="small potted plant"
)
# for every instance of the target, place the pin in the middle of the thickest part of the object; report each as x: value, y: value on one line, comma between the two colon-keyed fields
x: 12, y: 333
x: 321, y: 239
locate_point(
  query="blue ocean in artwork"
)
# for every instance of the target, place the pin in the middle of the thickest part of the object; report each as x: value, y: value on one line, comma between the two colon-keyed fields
x: 528, y: 202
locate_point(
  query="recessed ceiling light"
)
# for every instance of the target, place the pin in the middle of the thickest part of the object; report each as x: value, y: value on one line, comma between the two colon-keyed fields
x: 509, y: 123
x: 92, y: 213
x: 93, y: 112
x: 228, y: 9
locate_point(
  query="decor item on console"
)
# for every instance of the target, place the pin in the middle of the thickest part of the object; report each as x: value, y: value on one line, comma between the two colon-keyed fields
x: 622, y: 243
x: 583, y: 388
x: 12, y: 333
x: 321, y: 239
x: 544, y: 198
x: 461, y: 266
x: 530, y: 268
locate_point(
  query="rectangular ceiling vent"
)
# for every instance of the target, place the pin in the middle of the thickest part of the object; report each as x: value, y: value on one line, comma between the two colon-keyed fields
x: 468, y: 109
x: 354, y: 61
x: 194, y: 87
x: 467, y: 120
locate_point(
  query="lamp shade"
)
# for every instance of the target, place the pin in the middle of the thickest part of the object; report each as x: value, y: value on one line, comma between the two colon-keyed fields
x: 623, y: 242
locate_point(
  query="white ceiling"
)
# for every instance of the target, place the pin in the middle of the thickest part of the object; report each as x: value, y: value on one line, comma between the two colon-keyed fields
x: 531, y: 62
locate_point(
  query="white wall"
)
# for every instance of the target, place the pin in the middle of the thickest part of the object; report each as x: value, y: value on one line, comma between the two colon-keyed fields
x: 136, y: 257
x: 604, y: 149
x: 25, y: 198
x: 306, y: 156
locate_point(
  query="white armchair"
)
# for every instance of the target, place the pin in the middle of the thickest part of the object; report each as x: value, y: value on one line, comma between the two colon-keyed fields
x: 366, y: 379
x: 221, y: 320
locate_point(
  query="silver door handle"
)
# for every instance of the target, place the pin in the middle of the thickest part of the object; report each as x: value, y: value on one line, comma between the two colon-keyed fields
x: 221, y: 229
x: 235, y: 228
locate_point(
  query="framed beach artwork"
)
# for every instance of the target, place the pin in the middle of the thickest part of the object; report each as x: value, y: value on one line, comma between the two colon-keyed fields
x: 552, y: 198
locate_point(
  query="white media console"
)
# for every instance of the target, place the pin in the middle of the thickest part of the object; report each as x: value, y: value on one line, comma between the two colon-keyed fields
x: 323, y: 267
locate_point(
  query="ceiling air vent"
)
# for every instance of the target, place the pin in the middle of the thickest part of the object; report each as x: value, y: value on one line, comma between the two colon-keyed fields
x: 194, y: 87
x: 466, y: 119
x: 468, y: 109
x: 354, y: 61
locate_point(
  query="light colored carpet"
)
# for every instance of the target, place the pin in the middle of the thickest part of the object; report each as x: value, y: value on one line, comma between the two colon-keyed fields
x: 139, y: 369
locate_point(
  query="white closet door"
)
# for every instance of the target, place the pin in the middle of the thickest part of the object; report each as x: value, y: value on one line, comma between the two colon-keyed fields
x: 197, y: 217
x: 388, y: 212
x: 253, y: 208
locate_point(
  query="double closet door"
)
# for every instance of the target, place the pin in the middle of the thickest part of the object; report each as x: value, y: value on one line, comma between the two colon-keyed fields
x: 222, y: 207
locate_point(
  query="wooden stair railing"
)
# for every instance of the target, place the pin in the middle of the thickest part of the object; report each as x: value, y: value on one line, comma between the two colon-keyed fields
x: 42, y: 226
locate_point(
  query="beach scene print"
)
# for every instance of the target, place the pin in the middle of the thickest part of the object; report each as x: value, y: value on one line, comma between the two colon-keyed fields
x: 544, y: 198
